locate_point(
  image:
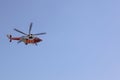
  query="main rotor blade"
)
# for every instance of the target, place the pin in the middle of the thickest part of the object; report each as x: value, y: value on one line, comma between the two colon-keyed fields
x: 30, y: 28
x: 40, y: 33
x: 20, y: 31
x: 19, y: 41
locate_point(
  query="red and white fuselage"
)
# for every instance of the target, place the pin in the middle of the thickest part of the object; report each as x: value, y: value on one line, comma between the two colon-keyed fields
x: 25, y: 39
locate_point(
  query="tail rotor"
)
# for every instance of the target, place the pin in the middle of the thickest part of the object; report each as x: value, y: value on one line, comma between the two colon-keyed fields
x: 10, y: 37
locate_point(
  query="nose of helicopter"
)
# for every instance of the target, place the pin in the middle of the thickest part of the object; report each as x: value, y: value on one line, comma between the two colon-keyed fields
x: 38, y: 40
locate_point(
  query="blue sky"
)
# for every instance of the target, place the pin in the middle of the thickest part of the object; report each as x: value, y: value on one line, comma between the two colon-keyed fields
x: 82, y: 40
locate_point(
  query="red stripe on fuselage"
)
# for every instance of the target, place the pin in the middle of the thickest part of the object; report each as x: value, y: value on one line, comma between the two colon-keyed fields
x: 35, y: 40
x: 29, y: 41
x: 15, y: 38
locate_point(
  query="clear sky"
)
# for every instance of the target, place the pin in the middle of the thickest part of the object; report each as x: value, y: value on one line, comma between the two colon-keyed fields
x: 82, y: 40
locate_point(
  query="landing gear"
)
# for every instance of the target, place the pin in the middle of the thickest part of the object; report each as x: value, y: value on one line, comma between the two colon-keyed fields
x: 26, y: 41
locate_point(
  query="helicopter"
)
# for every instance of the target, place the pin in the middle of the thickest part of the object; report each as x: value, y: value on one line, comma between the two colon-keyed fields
x: 27, y: 38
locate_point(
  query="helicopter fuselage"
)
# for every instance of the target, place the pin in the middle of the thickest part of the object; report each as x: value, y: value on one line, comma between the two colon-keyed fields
x: 26, y: 40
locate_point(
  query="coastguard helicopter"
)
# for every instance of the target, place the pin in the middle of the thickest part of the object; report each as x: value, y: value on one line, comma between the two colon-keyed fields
x: 27, y: 38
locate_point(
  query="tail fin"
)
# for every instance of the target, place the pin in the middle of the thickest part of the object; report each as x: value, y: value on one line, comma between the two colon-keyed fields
x: 10, y: 37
